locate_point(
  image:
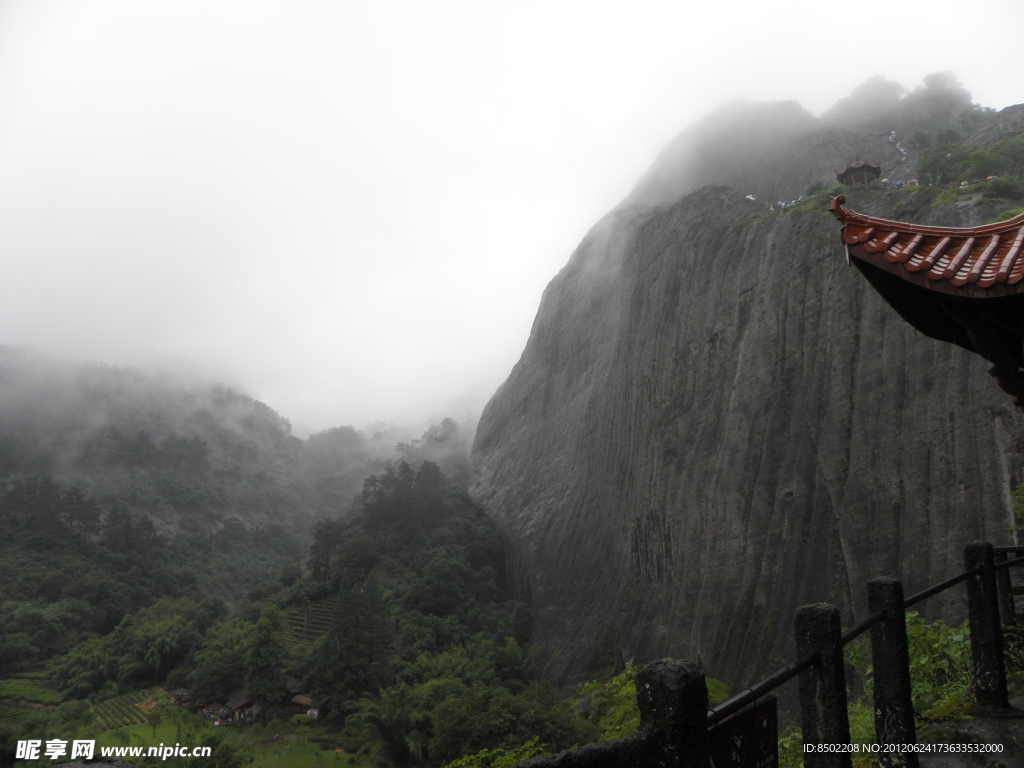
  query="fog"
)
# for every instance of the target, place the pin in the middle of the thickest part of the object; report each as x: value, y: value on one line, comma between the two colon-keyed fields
x: 350, y: 210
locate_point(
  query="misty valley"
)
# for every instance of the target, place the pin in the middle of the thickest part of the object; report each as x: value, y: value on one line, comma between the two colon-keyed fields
x: 159, y: 539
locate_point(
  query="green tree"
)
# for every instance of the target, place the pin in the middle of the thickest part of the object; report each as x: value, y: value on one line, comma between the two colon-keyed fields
x: 982, y: 163
x: 79, y: 512
x: 501, y: 758
x: 490, y: 717
x: 1012, y: 153
x: 32, y: 503
x: 920, y: 139
x: 220, y: 664
x: 349, y: 660
x: 154, y: 717
x: 441, y: 590
x: 391, y: 715
x: 264, y: 661
x: 945, y: 164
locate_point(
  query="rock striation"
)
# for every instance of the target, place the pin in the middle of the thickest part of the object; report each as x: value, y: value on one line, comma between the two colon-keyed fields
x: 716, y: 420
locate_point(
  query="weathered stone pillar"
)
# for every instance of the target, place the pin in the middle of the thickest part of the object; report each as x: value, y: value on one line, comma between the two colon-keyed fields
x: 890, y: 659
x: 823, y: 686
x: 986, y: 630
x: 673, y: 701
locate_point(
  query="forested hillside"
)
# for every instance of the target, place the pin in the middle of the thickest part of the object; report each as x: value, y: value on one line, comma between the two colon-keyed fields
x: 160, y: 535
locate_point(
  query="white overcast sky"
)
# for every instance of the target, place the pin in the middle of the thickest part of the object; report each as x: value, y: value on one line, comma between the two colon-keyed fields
x: 349, y: 210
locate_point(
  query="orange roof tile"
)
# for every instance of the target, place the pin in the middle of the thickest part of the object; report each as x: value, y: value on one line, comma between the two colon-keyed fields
x: 964, y: 285
x: 971, y: 262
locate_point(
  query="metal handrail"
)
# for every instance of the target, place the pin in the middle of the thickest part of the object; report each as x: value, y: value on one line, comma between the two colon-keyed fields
x: 1010, y: 563
x: 859, y: 629
x: 784, y: 675
x: 941, y: 586
x: 738, y: 702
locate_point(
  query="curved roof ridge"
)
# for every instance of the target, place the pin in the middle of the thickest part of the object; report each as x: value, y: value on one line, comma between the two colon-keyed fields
x: 846, y: 215
x: 970, y: 262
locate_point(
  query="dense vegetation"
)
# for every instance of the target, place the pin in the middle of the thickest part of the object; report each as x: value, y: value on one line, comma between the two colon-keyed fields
x: 135, y: 568
x: 160, y: 535
x: 949, y: 161
x: 425, y: 649
x: 423, y: 656
x: 152, y: 530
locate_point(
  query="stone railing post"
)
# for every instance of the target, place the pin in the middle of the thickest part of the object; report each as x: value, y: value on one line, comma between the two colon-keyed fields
x: 673, y: 701
x: 986, y: 630
x: 823, y: 686
x: 890, y: 659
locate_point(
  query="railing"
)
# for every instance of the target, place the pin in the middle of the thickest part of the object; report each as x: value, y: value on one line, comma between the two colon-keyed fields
x: 671, y: 735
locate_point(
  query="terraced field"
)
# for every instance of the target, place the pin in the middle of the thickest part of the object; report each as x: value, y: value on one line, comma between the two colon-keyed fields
x: 125, y: 710
x: 302, y: 626
x: 28, y: 688
x: 14, y: 715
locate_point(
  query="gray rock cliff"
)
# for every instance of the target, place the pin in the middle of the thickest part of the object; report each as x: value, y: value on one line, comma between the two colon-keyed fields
x: 716, y: 420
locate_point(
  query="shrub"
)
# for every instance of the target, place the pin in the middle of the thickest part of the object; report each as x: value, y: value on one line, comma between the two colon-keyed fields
x: 1005, y: 188
x: 920, y: 139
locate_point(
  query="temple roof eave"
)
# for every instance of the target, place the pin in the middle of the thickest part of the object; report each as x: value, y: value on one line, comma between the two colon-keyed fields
x: 975, y: 262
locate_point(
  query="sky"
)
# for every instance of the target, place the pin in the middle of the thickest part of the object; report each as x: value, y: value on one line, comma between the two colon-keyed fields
x: 349, y: 210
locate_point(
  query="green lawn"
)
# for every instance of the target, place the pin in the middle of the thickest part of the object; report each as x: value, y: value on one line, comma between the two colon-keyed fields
x: 289, y: 752
x: 138, y: 735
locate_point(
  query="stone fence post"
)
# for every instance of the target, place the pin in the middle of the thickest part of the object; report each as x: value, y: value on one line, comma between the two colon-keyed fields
x: 673, y: 701
x: 986, y: 629
x: 823, y: 685
x: 890, y: 660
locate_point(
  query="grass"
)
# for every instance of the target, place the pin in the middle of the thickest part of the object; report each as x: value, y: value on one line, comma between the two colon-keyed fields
x: 22, y: 689
x: 287, y: 751
x: 139, y: 735
x: 13, y: 714
x: 1009, y: 213
x: 290, y: 754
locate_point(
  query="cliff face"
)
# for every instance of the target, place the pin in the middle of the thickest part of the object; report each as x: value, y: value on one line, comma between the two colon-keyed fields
x: 715, y: 421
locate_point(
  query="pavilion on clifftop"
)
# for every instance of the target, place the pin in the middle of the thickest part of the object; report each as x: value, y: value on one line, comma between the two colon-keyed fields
x: 859, y: 174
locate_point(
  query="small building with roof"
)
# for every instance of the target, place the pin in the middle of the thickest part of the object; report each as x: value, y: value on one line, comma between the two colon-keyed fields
x: 240, y: 703
x: 181, y: 696
x: 859, y: 174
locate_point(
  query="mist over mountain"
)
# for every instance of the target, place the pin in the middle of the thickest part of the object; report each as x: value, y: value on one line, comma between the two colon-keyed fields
x: 714, y: 421
x: 188, y: 452
x: 776, y: 150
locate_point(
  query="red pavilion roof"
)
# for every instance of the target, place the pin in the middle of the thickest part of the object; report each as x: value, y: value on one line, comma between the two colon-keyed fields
x: 876, y: 167
x: 972, y: 262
